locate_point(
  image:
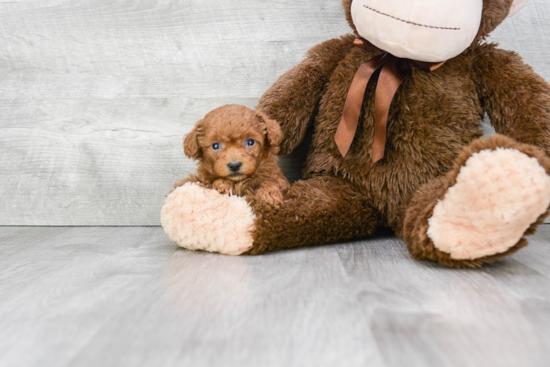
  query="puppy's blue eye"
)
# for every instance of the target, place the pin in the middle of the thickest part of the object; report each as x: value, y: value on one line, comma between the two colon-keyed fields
x: 250, y: 143
x: 216, y: 146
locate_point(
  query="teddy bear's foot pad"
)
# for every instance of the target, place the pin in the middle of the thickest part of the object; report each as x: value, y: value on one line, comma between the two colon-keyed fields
x: 201, y: 219
x: 497, y: 196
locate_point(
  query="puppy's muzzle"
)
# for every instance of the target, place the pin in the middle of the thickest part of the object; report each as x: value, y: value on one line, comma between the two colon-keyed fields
x: 234, y: 166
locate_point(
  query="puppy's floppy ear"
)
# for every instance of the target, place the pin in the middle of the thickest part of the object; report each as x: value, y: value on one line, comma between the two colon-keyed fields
x: 274, y: 134
x: 191, y: 146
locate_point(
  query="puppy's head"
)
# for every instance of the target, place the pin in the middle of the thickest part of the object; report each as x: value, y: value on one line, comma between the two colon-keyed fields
x: 231, y: 141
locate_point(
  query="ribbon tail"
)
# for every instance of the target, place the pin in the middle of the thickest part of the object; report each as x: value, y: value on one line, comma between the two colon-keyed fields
x: 389, y: 81
x: 354, y: 101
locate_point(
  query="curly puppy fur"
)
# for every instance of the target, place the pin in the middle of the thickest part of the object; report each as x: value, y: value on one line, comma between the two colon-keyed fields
x: 235, y: 148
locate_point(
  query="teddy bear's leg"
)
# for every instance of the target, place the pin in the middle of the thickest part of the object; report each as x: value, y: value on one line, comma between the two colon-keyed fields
x: 498, y: 192
x: 316, y: 211
x: 199, y: 218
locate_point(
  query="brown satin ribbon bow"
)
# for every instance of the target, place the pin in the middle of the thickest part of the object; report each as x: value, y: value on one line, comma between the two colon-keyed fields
x: 394, y: 70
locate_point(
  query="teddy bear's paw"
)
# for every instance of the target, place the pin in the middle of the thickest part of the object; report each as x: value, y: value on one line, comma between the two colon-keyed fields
x: 497, y: 196
x: 201, y: 219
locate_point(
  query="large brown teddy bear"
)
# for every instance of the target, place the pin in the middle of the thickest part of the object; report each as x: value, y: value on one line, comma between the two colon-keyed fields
x: 402, y: 151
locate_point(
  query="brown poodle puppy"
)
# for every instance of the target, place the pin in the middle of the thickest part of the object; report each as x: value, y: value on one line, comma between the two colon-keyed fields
x: 236, y: 148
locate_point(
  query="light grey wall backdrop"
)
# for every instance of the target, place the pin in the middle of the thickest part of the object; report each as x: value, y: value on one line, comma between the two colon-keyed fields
x: 96, y: 95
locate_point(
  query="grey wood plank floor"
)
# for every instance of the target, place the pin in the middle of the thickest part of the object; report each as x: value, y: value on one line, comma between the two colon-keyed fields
x: 127, y: 296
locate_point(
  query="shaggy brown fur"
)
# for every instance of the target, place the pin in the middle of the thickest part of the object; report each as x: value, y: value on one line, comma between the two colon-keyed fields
x: 421, y: 207
x: 432, y: 118
x: 235, y: 148
x: 338, y: 210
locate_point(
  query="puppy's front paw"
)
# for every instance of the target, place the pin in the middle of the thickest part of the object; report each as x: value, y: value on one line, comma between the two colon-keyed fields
x: 224, y: 186
x: 270, y: 194
x: 203, y: 185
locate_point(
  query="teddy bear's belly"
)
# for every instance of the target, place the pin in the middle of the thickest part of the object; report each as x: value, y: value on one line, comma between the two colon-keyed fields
x: 425, y: 133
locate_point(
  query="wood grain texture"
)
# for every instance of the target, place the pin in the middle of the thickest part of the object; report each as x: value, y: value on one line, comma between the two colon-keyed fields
x: 95, y: 96
x: 128, y: 297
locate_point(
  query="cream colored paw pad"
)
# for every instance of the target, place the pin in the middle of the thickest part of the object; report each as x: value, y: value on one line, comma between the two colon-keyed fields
x: 498, y: 194
x: 201, y: 219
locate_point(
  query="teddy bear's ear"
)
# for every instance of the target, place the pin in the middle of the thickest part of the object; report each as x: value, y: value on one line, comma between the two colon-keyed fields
x: 191, y: 146
x: 274, y: 134
x: 516, y: 6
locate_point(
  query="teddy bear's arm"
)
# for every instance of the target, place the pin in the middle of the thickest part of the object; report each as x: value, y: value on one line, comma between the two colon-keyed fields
x: 292, y: 101
x: 516, y: 98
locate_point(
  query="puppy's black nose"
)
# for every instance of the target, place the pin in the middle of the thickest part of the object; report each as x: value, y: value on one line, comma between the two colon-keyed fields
x: 234, y: 166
